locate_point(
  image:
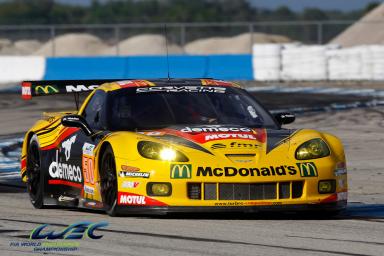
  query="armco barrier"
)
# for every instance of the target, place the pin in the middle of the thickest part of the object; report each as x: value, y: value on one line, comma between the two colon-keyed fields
x: 230, y: 67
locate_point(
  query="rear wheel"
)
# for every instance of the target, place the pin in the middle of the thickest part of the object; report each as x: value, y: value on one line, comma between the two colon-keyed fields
x: 35, y: 184
x: 108, y: 181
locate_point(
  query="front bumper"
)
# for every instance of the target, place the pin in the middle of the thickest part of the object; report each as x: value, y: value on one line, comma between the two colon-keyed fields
x: 162, y: 210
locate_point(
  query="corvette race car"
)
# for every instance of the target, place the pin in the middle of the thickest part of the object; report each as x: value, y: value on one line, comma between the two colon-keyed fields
x: 176, y: 145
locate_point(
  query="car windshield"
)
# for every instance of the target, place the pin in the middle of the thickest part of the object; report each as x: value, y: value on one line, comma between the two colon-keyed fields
x: 153, y: 108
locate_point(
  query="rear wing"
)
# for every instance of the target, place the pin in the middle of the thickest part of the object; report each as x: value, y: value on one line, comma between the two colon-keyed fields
x: 31, y: 89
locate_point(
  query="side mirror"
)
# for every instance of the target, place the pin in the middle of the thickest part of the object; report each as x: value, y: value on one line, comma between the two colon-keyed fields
x: 285, y: 118
x: 76, y: 121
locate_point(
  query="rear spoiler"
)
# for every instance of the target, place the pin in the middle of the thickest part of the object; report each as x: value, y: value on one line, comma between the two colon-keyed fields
x: 31, y: 89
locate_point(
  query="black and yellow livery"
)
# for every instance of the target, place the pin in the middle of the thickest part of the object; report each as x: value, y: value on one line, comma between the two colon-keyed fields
x: 164, y: 145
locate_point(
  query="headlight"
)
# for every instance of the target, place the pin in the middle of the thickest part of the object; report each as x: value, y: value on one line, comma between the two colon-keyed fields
x: 312, y: 149
x: 157, y: 151
x: 327, y: 186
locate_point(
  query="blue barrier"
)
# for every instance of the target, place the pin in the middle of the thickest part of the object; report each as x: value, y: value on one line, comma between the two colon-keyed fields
x: 229, y: 67
x: 85, y: 68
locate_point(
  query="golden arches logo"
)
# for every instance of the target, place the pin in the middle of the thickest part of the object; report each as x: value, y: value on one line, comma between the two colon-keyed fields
x: 307, y: 169
x: 40, y: 89
x: 181, y: 171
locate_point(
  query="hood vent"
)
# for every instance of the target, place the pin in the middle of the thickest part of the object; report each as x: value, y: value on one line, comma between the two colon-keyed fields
x: 241, y: 158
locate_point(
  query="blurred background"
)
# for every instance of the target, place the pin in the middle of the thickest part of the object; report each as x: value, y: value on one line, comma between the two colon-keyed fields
x: 237, y: 40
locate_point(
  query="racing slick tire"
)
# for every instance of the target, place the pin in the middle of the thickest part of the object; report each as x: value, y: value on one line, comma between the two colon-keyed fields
x: 35, y: 179
x: 108, y: 181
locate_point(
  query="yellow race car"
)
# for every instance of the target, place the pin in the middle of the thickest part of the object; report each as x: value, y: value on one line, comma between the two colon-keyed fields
x: 176, y: 145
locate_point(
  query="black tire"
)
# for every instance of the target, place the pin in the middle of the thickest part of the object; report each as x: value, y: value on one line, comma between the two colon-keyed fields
x: 35, y: 179
x: 108, y: 181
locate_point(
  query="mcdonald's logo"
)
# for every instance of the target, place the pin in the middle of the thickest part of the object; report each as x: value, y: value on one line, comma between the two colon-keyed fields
x: 181, y: 171
x: 307, y: 169
x: 47, y: 89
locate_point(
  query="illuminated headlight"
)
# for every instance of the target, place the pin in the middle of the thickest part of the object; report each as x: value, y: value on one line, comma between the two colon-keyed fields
x: 159, y: 189
x: 157, y: 151
x: 312, y: 149
x: 327, y: 186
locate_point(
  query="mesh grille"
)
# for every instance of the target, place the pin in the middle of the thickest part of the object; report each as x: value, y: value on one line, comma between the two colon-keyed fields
x: 210, y: 191
x: 247, y: 191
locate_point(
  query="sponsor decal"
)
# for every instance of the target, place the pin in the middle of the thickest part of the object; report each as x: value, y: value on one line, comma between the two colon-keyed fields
x: 26, y: 92
x: 130, y: 184
x: 217, y: 82
x: 181, y: 171
x: 215, y: 128
x: 129, y: 168
x: 80, y: 88
x: 307, y: 169
x: 223, y: 136
x: 246, y: 172
x: 45, y: 89
x: 66, y: 199
x: 341, y: 169
x: 134, y: 83
x: 125, y: 198
x: 218, y: 146
x: 192, y: 89
x: 243, y: 145
x: 89, y: 190
x: 131, y: 199
x: 64, y: 171
x: 67, y: 145
x: 88, y: 149
x: 342, y: 196
x: 252, y: 112
x: 152, y: 133
x: 124, y: 174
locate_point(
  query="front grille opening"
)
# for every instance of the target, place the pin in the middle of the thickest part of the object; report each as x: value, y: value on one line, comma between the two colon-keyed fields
x: 247, y: 191
x: 194, y: 191
x: 261, y: 191
x: 210, y: 191
x: 297, y: 189
x: 284, y: 190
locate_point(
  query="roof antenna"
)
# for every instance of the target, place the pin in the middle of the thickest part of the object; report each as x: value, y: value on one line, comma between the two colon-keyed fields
x: 166, y: 47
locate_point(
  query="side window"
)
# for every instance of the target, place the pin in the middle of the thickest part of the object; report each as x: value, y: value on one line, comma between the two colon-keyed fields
x: 94, y: 112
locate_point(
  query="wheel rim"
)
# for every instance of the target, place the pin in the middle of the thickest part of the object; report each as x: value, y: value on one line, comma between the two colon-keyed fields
x: 108, y: 181
x: 33, y: 170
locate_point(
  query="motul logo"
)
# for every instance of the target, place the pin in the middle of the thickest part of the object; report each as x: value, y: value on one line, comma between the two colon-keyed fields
x: 129, y: 199
x: 230, y: 136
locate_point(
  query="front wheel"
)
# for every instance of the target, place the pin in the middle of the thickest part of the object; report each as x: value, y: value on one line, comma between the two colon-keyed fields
x: 108, y: 181
x: 35, y: 184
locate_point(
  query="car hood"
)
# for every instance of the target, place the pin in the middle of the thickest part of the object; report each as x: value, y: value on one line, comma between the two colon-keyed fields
x: 228, y: 139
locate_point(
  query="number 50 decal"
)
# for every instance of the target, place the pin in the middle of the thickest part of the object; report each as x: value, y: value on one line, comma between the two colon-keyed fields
x: 87, y: 163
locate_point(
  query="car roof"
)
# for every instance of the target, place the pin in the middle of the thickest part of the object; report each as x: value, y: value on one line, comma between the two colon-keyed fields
x: 112, y: 86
